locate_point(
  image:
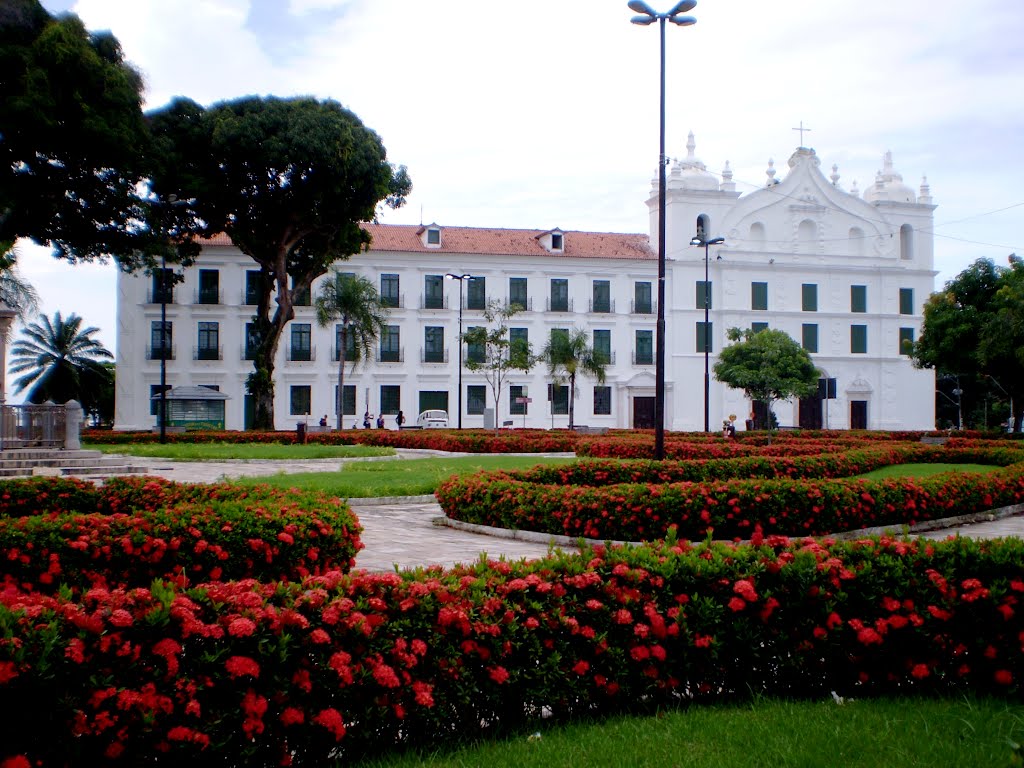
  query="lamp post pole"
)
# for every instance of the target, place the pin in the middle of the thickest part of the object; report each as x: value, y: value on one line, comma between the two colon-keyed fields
x: 698, y: 241
x: 163, y: 348
x: 648, y: 15
x: 461, y: 279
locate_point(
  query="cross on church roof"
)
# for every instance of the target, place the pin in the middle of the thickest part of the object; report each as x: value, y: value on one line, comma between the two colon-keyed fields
x: 802, y: 129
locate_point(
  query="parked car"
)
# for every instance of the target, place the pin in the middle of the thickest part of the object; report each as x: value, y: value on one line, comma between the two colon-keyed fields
x: 432, y: 420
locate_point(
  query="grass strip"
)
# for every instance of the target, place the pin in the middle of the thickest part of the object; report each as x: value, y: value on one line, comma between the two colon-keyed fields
x: 244, y: 451
x: 765, y: 733
x: 410, y: 477
x: 925, y: 470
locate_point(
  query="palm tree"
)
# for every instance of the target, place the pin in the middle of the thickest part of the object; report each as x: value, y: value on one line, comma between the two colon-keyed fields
x: 17, y: 293
x: 569, y: 354
x: 61, y: 361
x: 357, y: 304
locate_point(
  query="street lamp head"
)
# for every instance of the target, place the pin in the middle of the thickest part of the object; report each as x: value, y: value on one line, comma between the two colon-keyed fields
x: 716, y: 241
x: 683, y: 21
x: 453, y: 276
x: 682, y: 7
x: 639, y: 6
x: 643, y: 20
x: 697, y: 241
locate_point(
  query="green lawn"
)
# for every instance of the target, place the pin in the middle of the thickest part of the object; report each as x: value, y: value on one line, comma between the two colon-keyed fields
x: 942, y: 733
x: 406, y: 477
x: 925, y: 470
x: 222, y: 451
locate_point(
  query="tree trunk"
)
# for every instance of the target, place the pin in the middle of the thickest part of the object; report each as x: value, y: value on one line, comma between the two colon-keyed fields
x: 341, y: 375
x: 260, y: 383
x: 572, y: 400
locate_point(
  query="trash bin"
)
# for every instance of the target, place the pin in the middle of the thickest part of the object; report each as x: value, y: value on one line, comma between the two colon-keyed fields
x: 300, y: 433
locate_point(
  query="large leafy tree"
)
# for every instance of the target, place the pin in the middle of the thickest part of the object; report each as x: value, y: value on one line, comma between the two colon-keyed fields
x: 17, y: 293
x: 354, y: 303
x: 499, y: 355
x: 62, y: 361
x: 289, y: 181
x: 974, y: 329
x: 73, y: 141
x: 569, y: 354
x: 768, y: 365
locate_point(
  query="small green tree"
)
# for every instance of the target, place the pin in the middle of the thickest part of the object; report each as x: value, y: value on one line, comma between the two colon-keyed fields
x: 767, y: 365
x: 569, y: 354
x: 61, y: 361
x: 355, y: 302
x: 499, y: 354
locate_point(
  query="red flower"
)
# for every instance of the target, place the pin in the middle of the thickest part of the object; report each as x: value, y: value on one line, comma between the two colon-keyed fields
x: 331, y: 720
x: 241, y: 627
x: 181, y: 733
x: 1003, y: 676
x: 745, y: 589
x: 581, y: 667
x: 319, y: 636
x: 498, y: 674
x: 18, y: 761
x: 737, y: 604
x: 75, y: 650
x: 423, y: 693
x: 8, y: 671
x: 868, y: 636
x: 702, y: 641
x: 242, y: 665
x: 920, y: 671
x: 385, y: 676
x: 292, y: 716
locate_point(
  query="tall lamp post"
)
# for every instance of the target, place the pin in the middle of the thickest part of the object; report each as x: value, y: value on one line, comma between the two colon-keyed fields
x: 163, y: 348
x: 648, y: 15
x: 461, y: 279
x: 698, y: 241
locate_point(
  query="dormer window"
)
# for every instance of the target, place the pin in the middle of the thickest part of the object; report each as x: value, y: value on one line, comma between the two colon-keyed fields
x: 430, y: 236
x: 552, y: 241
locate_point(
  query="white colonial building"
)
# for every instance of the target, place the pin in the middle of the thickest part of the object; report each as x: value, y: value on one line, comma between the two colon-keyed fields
x: 844, y: 274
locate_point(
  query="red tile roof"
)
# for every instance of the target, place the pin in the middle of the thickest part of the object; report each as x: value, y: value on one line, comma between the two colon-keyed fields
x: 500, y: 242
x: 510, y: 242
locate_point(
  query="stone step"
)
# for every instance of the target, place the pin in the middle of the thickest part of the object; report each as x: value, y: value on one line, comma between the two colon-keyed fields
x: 90, y: 471
x: 32, y: 454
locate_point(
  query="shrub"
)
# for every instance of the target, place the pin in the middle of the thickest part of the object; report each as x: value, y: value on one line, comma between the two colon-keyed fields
x: 340, y: 666
x: 132, y: 530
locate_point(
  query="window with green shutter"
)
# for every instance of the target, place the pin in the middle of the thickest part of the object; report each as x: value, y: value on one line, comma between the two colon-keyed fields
x: 759, y: 296
x: 809, y: 297
x: 809, y: 336
x: 906, y: 301
x: 858, y: 298
x: 858, y: 339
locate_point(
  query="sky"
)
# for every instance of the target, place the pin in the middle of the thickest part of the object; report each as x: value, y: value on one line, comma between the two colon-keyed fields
x: 537, y: 115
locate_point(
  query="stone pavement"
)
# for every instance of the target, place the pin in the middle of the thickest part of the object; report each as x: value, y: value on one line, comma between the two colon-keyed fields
x: 401, y: 531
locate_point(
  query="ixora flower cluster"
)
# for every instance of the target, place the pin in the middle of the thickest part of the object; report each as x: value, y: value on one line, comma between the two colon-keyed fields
x: 738, y: 498
x: 337, y: 666
x: 465, y: 440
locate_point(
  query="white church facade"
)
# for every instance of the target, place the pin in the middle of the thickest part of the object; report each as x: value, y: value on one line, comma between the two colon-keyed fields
x: 845, y: 274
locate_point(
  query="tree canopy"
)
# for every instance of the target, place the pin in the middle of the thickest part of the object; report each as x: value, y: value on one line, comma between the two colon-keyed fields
x: 569, y: 354
x: 289, y: 181
x: 362, y: 316
x: 768, y: 365
x: 499, y: 354
x: 974, y: 328
x: 73, y: 141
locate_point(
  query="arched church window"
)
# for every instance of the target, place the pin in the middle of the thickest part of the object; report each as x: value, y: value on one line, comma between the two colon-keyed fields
x: 757, y: 233
x: 906, y: 242
x: 856, y: 241
x: 806, y: 234
x: 703, y: 226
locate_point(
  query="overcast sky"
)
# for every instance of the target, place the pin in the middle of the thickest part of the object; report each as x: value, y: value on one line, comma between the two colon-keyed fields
x: 545, y: 114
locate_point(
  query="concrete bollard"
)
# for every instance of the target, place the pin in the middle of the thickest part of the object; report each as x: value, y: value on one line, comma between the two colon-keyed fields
x: 73, y: 417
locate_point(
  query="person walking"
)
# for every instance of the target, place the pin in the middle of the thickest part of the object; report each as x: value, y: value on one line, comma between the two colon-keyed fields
x: 400, y: 419
x: 366, y: 419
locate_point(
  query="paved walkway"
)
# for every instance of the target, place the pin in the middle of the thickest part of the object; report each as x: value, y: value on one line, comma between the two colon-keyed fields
x: 401, y: 532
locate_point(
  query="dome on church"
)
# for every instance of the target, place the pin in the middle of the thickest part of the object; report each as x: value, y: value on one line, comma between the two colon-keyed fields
x: 691, y: 173
x: 889, y: 186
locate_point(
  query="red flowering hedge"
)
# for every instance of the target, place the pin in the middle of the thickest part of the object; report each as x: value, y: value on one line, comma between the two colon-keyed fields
x: 651, y: 507
x: 466, y: 440
x: 340, y: 666
x: 132, y: 530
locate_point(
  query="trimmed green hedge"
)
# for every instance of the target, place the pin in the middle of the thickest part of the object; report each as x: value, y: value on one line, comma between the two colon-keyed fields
x: 658, y: 499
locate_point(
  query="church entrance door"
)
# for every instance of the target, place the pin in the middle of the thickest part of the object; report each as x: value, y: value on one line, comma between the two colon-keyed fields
x: 643, y: 413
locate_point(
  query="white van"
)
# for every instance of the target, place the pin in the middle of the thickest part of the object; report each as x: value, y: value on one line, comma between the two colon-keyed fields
x: 432, y: 420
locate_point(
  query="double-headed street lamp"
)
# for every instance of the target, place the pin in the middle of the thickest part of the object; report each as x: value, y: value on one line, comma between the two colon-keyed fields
x: 461, y: 279
x: 698, y: 241
x: 648, y: 16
